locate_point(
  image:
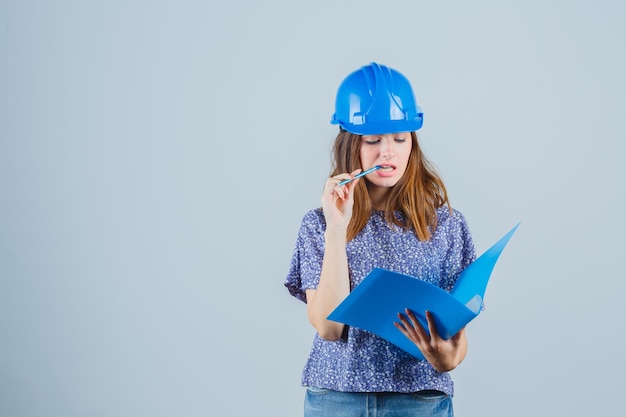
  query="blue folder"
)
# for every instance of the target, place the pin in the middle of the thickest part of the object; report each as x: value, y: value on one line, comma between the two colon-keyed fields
x: 375, y: 303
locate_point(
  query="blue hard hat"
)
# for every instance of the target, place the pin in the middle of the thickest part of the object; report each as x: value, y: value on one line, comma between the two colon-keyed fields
x: 376, y: 99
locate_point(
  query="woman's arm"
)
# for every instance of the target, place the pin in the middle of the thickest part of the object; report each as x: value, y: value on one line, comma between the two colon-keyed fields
x: 334, y: 283
x: 333, y: 287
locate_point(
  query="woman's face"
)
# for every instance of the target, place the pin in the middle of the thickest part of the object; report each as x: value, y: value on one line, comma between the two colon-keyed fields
x: 390, y: 151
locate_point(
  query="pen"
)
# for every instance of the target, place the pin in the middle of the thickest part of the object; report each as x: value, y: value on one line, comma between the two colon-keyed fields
x: 344, y: 182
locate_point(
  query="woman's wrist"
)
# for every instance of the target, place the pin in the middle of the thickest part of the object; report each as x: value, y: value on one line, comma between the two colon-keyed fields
x: 335, y: 234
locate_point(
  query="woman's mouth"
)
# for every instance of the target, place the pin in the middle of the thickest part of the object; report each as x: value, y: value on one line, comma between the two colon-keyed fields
x: 386, y: 168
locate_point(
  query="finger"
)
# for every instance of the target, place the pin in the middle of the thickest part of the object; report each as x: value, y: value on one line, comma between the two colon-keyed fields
x: 335, y: 181
x: 404, y: 320
x: 404, y: 327
x: 432, y: 327
x: 346, y: 175
x: 418, y: 334
x: 331, y: 188
x: 329, y: 193
x: 332, y: 182
x: 340, y: 177
x: 351, y: 184
x: 401, y: 327
x: 416, y: 324
x: 349, y: 188
x: 343, y: 192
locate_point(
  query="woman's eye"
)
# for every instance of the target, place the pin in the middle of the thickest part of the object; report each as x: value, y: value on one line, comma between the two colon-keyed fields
x: 400, y: 140
x: 372, y: 142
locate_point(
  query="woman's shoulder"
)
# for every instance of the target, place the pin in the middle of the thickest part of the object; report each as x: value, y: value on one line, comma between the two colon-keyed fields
x: 451, y: 218
x: 314, y: 219
x: 447, y: 213
x: 315, y: 215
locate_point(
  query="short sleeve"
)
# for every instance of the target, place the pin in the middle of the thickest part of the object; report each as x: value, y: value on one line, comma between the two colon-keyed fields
x: 461, y: 251
x: 306, y: 262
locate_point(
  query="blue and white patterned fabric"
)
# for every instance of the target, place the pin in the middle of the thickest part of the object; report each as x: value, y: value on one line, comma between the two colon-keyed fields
x: 364, y: 362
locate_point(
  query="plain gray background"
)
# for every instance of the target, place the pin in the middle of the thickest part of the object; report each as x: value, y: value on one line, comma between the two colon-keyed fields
x: 156, y: 159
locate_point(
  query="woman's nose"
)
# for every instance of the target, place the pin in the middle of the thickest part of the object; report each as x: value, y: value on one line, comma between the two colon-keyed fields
x: 386, y: 148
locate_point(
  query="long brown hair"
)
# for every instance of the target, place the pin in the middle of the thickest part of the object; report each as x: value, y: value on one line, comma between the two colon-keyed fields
x: 417, y: 195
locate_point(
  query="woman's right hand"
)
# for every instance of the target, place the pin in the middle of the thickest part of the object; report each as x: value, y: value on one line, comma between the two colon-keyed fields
x: 337, y: 201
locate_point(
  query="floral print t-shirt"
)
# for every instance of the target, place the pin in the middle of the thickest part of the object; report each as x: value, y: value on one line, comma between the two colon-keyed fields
x: 362, y: 361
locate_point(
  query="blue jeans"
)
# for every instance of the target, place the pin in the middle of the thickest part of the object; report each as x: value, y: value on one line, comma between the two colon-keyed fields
x: 321, y: 402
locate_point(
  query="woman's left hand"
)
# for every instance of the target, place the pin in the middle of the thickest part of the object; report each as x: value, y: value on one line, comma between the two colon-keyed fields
x: 443, y: 355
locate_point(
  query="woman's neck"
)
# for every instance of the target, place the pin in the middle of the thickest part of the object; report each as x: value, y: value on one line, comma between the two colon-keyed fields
x: 378, y: 196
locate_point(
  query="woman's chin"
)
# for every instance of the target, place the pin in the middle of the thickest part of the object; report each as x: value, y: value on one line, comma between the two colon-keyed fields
x: 384, y: 183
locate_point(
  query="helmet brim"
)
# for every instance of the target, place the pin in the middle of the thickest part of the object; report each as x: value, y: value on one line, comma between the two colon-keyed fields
x: 383, y: 127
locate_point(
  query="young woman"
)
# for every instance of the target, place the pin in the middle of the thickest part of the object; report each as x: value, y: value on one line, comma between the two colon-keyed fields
x: 398, y: 218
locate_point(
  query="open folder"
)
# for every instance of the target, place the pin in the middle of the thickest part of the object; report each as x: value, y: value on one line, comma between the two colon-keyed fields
x: 375, y: 303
